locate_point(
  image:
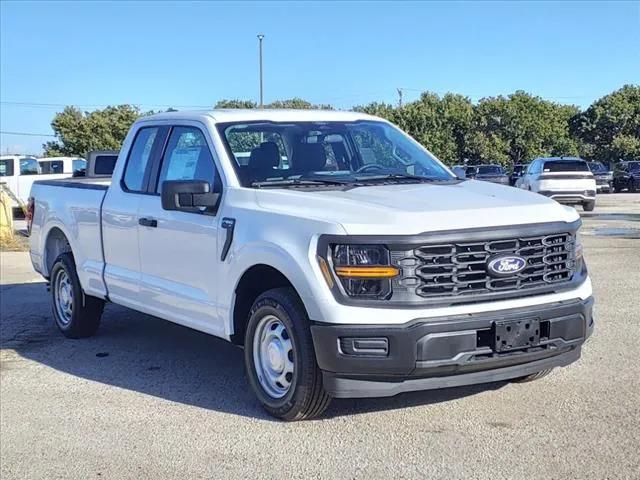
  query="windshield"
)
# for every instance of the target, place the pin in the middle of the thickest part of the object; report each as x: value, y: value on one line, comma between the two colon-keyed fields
x: 597, y: 167
x: 29, y: 166
x: 633, y: 166
x: 490, y: 170
x: 566, y: 166
x: 326, y: 152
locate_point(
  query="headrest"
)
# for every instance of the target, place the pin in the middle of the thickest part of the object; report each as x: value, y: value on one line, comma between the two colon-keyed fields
x: 309, y: 157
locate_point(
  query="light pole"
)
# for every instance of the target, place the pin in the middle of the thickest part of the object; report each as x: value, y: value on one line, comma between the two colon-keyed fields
x: 260, y: 37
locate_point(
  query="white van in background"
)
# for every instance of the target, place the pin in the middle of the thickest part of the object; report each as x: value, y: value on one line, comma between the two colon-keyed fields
x: 18, y: 172
x: 55, y: 165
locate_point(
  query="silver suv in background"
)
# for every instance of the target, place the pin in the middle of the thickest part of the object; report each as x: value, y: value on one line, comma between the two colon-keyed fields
x: 567, y: 180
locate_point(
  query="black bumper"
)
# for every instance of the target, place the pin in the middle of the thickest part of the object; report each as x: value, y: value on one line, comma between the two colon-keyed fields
x: 446, y: 351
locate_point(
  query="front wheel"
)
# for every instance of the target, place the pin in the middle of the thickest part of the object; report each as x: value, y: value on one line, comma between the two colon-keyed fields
x: 280, y: 358
x: 632, y: 186
x: 589, y: 206
x: 77, y: 315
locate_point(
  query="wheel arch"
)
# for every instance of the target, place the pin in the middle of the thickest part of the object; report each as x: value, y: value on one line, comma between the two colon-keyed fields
x: 56, y: 242
x: 254, y: 281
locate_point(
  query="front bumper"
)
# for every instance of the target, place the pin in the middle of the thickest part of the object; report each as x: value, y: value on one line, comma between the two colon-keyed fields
x: 447, y: 351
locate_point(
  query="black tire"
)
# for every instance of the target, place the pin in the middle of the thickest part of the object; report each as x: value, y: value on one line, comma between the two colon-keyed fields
x: 589, y: 206
x: 616, y: 187
x: 305, y: 397
x: 532, y: 377
x: 84, y: 319
x: 632, y: 186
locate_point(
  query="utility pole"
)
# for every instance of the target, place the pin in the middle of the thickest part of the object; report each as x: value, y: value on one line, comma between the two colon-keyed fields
x: 399, y: 97
x: 260, y: 37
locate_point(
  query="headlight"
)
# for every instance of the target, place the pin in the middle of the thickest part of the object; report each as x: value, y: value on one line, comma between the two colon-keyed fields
x: 364, y: 271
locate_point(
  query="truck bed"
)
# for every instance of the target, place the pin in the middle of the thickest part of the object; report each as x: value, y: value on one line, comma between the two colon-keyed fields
x: 78, y: 182
x: 76, y: 212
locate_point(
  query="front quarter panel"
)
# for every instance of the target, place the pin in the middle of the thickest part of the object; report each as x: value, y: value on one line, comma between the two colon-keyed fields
x: 286, y: 243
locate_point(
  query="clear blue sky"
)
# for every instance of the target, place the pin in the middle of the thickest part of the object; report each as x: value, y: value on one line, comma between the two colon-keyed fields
x: 192, y: 54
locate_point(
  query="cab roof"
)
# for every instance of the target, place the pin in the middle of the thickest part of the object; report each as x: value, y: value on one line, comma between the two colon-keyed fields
x: 258, y: 114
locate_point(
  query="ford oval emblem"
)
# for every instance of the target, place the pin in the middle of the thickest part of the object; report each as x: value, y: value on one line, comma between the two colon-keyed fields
x: 506, y: 265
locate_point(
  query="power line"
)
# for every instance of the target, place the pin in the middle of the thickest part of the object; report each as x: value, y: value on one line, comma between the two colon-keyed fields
x: 27, y: 134
x: 93, y: 105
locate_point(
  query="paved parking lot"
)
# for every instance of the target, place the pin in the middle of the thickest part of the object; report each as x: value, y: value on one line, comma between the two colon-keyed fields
x: 149, y: 399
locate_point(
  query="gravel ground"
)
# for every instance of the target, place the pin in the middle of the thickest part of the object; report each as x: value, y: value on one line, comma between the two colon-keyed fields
x: 149, y: 399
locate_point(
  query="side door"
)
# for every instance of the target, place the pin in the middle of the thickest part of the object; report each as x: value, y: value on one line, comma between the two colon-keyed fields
x: 179, y: 250
x: 120, y: 228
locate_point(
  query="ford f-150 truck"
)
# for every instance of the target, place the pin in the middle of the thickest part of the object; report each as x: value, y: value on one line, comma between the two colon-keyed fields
x: 341, y: 255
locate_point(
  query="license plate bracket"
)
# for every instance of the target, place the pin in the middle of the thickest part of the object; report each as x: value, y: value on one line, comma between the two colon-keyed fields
x: 516, y: 334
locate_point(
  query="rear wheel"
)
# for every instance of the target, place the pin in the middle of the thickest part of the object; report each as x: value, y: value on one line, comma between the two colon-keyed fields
x: 589, y: 206
x: 532, y: 377
x: 77, y: 315
x: 280, y: 358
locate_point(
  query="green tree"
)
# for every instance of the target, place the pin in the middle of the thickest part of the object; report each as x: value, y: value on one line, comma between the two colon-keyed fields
x: 236, y: 104
x: 520, y: 127
x: 80, y: 132
x: 295, y: 102
x: 610, y: 128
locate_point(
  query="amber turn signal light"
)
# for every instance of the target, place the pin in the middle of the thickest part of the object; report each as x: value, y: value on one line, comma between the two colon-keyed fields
x: 367, y: 272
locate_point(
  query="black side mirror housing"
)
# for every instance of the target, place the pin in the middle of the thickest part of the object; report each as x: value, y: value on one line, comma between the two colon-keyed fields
x: 188, y: 196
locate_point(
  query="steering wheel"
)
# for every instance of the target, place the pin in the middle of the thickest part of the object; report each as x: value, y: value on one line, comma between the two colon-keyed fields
x: 370, y: 166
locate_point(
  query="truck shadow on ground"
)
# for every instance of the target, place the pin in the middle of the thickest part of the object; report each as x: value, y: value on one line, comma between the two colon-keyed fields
x: 144, y: 354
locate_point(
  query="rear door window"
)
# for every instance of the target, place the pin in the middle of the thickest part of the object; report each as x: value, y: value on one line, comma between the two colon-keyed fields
x: 52, y: 166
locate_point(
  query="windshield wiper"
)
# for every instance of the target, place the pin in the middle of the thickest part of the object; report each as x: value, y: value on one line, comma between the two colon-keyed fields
x: 399, y: 176
x: 300, y: 181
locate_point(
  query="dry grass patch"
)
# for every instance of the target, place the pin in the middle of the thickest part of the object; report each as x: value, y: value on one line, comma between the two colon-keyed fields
x: 17, y: 243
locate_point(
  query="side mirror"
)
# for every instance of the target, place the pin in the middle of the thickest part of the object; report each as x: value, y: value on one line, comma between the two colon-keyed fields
x: 188, y: 195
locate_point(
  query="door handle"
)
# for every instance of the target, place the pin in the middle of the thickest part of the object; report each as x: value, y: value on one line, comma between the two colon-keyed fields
x: 148, y: 222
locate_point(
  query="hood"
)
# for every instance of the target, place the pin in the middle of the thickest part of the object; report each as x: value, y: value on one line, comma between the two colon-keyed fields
x: 417, y: 208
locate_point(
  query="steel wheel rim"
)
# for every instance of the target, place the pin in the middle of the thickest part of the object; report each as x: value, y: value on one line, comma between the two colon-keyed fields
x: 63, y: 297
x: 273, y: 356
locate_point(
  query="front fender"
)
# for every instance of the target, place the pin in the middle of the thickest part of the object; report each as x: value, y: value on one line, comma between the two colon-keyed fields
x: 292, y: 264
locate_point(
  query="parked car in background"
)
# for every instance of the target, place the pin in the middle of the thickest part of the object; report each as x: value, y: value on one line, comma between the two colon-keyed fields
x: 488, y: 173
x: 55, y: 165
x: 18, y: 172
x: 459, y: 171
x: 517, y: 172
x: 603, y: 176
x: 565, y: 179
x: 348, y: 270
x: 627, y: 177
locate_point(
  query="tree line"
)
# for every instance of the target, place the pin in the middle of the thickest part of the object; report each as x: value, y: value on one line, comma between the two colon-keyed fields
x: 509, y: 129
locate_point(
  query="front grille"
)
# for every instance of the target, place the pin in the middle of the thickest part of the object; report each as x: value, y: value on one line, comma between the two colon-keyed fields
x: 460, y: 269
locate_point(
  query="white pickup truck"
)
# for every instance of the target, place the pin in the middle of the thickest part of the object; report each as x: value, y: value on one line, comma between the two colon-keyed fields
x: 343, y: 256
x: 18, y: 172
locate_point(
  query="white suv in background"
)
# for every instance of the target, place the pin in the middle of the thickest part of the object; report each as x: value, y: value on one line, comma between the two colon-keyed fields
x: 565, y: 179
